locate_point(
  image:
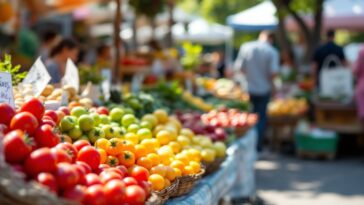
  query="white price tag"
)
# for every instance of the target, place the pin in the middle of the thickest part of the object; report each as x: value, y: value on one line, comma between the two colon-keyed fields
x: 64, y: 98
x: 106, y: 83
x: 71, y: 76
x: 6, y: 89
x: 38, y: 77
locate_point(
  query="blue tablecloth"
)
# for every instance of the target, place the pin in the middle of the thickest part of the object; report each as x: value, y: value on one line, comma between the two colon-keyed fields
x: 235, y: 178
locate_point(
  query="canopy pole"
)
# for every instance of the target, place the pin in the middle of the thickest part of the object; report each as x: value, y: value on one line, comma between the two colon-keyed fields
x: 117, y: 42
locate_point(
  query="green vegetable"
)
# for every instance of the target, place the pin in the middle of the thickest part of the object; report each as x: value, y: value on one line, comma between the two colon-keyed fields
x: 7, y: 66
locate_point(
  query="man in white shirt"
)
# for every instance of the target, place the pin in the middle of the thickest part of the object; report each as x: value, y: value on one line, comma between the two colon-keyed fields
x: 259, y: 62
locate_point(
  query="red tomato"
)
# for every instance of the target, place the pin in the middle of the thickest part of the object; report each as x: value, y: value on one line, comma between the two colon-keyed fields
x: 128, y: 181
x: 52, y: 114
x: 34, y: 106
x: 86, y: 166
x: 134, y: 195
x: 92, y: 179
x: 24, y: 121
x: 46, y: 121
x: 47, y: 118
x: 89, y: 155
x: 123, y: 169
x: 3, y: 130
x: 102, y: 110
x: 7, y: 112
x: 81, y: 170
x: 116, y: 170
x: 79, y: 144
x: 107, y: 176
x: 41, y: 160
x: 146, y: 187
x: 48, y: 180
x: 95, y: 195
x: 61, y: 155
x: 66, y: 175
x: 65, y: 110
x: 76, y: 194
x: 114, y: 191
x: 139, y: 173
x: 101, y: 168
x: 45, y: 137
x: 70, y: 150
x: 17, y: 146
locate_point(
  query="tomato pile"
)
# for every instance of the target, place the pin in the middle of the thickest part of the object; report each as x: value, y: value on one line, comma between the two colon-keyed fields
x: 34, y: 147
x: 229, y: 118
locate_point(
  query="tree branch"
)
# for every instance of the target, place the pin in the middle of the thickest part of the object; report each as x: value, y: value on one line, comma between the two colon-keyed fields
x: 318, y: 22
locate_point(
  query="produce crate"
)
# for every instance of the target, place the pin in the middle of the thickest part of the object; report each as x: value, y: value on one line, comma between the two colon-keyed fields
x: 308, y: 145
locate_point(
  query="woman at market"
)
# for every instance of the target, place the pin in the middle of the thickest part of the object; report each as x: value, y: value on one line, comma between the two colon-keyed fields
x: 56, y: 65
x: 359, y: 90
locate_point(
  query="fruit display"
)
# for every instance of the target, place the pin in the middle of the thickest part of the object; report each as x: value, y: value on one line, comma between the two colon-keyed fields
x: 229, y: 118
x: 192, y: 120
x: 287, y: 107
x: 223, y: 88
x: 197, y: 102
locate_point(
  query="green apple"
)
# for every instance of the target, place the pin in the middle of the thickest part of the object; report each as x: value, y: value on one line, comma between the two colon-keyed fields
x: 129, y: 111
x: 118, y: 132
x: 78, y: 111
x: 96, y: 118
x: 86, y: 122
x: 220, y: 149
x: 108, y: 130
x: 67, y: 123
x: 75, y: 133
x: 104, y: 119
x: 114, y: 124
x: 133, y: 128
x: 146, y: 124
x: 144, y: 133
x: 128, y: 119
x: 84, y: 137
x: 95, y: 134
x: 151, y: 119
x: 116, y: 114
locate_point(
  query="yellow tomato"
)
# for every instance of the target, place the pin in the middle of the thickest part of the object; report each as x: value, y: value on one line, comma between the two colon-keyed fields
x: 176, y: 147
x: 103, y: 155
x: 194, y: 154
x: 183, y: 158
x: 157, y: 129
x: 178, y: 164
x: 187, y: 132
x: 102, y: 143
x: 167, y: 183
x: 160, y: 169
x: 157, y: 182
x: 183, y: 140
x: 144, y: 162
x: 154, y: 158
x: 155, y: 142
x: 161, y: 115
x: 187, y: 171
x: 152, y: 119
x: 132, y: 137
x: 173, y: 130
x: 196, y: 167
x: 149, y: 145
x: 127, y: 158
x: 140, y: 151
x: 178, y: 172
x: 170, y: 173
x: 208, y: 155
x: 163, y: 137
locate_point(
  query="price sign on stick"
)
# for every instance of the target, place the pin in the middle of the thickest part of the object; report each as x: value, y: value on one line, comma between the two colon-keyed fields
x: 71, y: 75
x: 6, y: 89
x: 106, y: 83
x: 38, y: 77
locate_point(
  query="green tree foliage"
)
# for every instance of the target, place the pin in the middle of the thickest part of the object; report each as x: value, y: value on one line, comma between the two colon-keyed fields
x: 7, y: 66
x: 149, y: 8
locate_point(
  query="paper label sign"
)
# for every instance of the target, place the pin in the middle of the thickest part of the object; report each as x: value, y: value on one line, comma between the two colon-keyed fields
x: 106, y: 83
x: 6, y: 89
x: 71, y: 75
x: 38, y: 77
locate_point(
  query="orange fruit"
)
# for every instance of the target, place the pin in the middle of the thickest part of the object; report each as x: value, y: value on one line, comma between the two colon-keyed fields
x: 183, y: 158
x: 140, y: 151
x: 144, y: 162
x: 188, y: 171
x: 178, y: 164
x: 127, y: 146
x: 196, y: 167
x: 127, y: 158
x: 160, y: 169
x: 102, y: 143
x: 167, y: 183
x: 170, y: 173
x: 176, y: 147
x: 112, y: 161
x: 157, y: 182
x: 178, y: 172
x: 154, y: 158
x: 103, y: 155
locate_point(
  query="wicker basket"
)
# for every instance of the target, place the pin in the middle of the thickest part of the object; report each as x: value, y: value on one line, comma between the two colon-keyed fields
x: 154, y: 199
x: 164, y: 194
x: 241, y: 131
x: 186, y: 183
x: 211, y: 167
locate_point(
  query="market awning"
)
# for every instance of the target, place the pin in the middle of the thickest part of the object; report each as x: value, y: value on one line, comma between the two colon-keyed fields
x: 259, y: 17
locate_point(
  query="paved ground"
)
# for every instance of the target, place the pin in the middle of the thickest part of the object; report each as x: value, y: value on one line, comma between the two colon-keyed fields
x: 287, y: 180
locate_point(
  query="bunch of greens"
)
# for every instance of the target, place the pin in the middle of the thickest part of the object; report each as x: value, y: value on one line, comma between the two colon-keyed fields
x: 191, y: 57
x: 89, y: 74
x: 7, y: 66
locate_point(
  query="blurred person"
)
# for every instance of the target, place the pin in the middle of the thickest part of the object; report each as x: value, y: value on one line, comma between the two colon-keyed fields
x: 359, y: 89
x: 221, y: 67
x: 49, y: 39
x: 56, y: 65
x: 259, y: 62
x: 330, y: 48
x: 103, y: 56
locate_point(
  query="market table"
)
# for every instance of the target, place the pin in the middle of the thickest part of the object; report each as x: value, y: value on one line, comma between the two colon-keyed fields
x: 235, y: 178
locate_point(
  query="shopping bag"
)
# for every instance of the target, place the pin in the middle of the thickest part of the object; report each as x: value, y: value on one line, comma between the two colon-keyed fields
x: 336, y: 82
